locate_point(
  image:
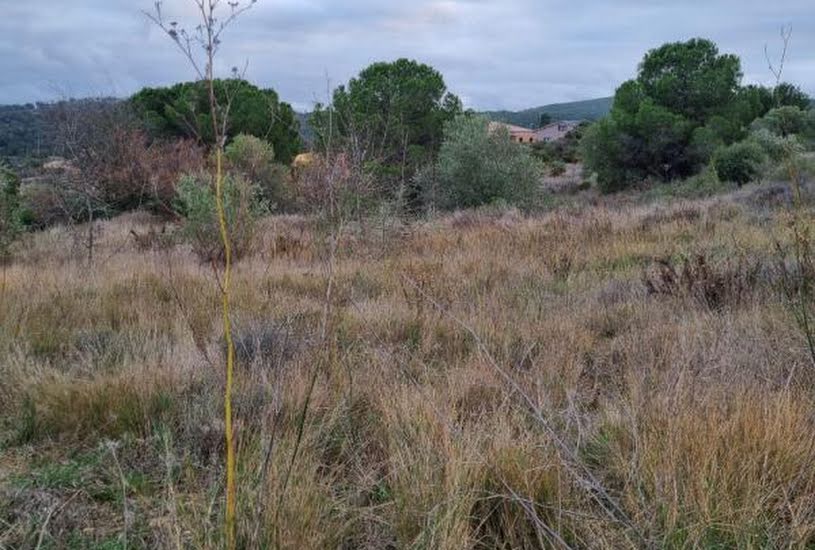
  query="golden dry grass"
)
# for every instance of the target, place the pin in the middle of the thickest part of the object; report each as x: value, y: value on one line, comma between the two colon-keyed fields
x: 641, y: 421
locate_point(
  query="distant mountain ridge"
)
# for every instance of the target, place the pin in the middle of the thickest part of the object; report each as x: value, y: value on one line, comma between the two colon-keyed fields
x: 590, y: 109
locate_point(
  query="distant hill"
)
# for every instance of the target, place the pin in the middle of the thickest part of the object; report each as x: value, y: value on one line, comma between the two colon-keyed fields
x: 23, y: 130
x: 591, y: 109
x: 27, y: 130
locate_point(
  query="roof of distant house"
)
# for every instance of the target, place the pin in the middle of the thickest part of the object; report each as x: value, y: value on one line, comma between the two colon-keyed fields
x: 510, y: 127
x: 562, y: 123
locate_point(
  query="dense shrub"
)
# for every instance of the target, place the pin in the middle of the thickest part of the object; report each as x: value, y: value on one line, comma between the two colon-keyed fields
x: 788, y: 121
x: 776, y: 147
x: 142, y: 174
x: 739, y: 163
x: 253, y: 159
x: 196, y: 203
x: 557, y: 168
x: 127, y: 173
x: 479, y: 165
x: 112, y: 164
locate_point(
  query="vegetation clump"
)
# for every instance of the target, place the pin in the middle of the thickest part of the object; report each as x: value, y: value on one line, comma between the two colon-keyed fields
x: 480, y: 165
x: 254, y: 159
x: 183, y: 111
x: 243, y: 207
x: 391, y: 117
x: 740, y: 162
x: 686, y: 102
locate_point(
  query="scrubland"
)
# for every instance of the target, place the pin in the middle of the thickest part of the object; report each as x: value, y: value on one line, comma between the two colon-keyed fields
x: 607, y: 374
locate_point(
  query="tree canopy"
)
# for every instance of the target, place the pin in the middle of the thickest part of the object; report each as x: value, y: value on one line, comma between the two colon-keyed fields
x: 691, y: 79
x: 392, y: 114
x: 686, y: 102
x: 789, y: 95
x: 183, y: 110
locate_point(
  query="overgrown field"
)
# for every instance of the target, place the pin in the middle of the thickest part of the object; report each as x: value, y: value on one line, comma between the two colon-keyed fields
x: 607, y: 376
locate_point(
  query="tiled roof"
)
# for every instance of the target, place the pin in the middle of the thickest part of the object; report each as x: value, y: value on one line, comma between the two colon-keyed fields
x: 510, y: 127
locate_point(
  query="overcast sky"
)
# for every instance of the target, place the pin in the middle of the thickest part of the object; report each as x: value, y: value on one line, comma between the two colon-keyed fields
x: 495, y: 54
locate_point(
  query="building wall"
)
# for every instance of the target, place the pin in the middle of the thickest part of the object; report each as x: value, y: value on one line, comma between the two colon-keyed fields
x: 550, y: 132
x: 523, y: 137
x: 555, y: 131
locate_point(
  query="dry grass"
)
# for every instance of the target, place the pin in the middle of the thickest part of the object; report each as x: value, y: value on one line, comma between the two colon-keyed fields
x: 649, y: 419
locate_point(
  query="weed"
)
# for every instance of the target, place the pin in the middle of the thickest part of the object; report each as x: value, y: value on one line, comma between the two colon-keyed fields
x: 714, y: 286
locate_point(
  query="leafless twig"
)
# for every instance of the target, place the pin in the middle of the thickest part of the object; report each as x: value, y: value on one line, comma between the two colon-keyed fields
x: 778, y: 71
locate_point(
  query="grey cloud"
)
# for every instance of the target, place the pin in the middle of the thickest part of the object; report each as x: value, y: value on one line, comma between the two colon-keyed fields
x: 494, y: 53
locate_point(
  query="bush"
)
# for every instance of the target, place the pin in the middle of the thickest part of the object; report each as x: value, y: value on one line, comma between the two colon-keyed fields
x: 335, y: 188
x: 788, y: 121
x: 776, y: 147
x: 739, y: 163
x: 566, y: 150
x: 114, y: 164
x: 713, y: 285
x: 254, y: 160
x: 557, y: 168
x: 196, y: 203
x: 478, y: 165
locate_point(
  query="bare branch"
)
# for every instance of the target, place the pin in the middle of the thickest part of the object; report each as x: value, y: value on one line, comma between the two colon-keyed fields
x: 786, y: 34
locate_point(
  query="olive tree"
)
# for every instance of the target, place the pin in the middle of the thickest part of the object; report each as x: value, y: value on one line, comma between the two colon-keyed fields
x: 479, y: 164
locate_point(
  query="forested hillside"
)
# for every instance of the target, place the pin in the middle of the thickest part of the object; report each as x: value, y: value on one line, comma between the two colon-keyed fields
x: 591, y: 109
x: 21, y: 130
x: 28, y: 130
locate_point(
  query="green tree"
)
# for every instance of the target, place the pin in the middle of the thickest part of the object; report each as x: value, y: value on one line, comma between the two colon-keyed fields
x: 183, y: 110
x: 603, y: 149
x: 640, y: 139
x: 789, y: 95
x: 685, y: 103
x: 478, y: 165
x: 391, y: 116
x: 691, y: 78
